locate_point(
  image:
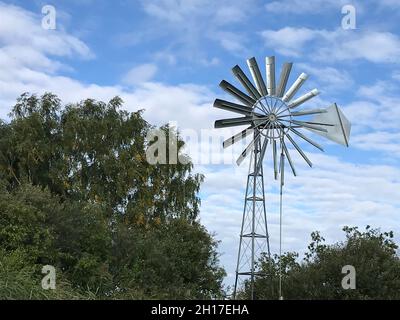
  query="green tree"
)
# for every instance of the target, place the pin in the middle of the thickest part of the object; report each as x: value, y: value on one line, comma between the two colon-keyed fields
x: 319, y: 275
x: 78, y: 193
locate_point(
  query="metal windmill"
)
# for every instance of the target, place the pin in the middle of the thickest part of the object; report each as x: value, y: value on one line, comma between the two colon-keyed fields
x: 273, y: 117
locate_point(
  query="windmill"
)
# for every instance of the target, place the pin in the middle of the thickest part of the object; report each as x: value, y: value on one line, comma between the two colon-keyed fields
x: 272, y: 117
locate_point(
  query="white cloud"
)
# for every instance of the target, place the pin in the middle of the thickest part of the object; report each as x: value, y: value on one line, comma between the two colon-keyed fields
x: 314, y: 7
x: 22, y: 30
x: 30, y: 55
x: 373, y: 46
x: 302, y: 7
x: 33, y: 66
x: 396, y: 75
x: 184, y: 12
x: 336, y: 45
x: 381, y: 110
x: 231, y: 41
x: 375, y: 119
x: 379, y: 141
x: 210, y: 62
x: 172, y: 10
x: 194, y: 23
x: 140, y: 74
x: 328, y: 78
x: 229, y: 14
x: 289, y: 41
x: 361, y: 113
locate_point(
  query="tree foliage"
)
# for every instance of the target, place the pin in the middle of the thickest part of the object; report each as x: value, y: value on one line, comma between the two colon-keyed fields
x: 319, y: 276
x: 77, y: 193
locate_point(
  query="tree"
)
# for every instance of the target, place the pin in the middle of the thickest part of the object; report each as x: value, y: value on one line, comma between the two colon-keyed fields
x: 319, y: 275
x: 78, y: 193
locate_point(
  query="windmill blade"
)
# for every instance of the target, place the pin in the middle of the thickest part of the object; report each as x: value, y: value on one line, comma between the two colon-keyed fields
x: 304, y: 98
x: 270, y: 66
x: 234, y: 107
x: 262, y: 153
x: 285, y: 149
x: 295, y: 87
x: 340, y: 131
x: 306, y: 138
x: 300, y: 113
x: 241, y: 96
x: 280, y: 163
x: 319, y: 123
x: 239, y: 74
x: 232, y: 122
x: 257, y: 77
x: 308, y: 125
x: 247, y: 150
x: 299, y: 150
x: 274, y: 156
x: 284, y: 77
x: 307, y: 112
x: 237, y: 137
x: 282, y: 166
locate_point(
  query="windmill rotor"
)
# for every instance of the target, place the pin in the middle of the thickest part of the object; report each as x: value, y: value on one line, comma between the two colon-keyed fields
x: 275, y: 118
x: 273, y: 114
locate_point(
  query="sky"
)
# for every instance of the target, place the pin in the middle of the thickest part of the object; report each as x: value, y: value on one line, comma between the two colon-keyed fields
x: 168, y: 57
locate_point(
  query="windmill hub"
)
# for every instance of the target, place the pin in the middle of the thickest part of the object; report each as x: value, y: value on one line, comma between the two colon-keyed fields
x: 269, y: 115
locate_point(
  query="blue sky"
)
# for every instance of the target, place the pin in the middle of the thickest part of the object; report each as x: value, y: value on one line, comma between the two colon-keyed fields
x: 168, y: 57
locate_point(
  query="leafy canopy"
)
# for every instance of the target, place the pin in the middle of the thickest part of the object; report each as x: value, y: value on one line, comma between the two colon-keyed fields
x: 77, y: 193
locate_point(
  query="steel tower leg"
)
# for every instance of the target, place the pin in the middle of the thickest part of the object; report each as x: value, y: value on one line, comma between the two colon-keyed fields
x: 254, y: 238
